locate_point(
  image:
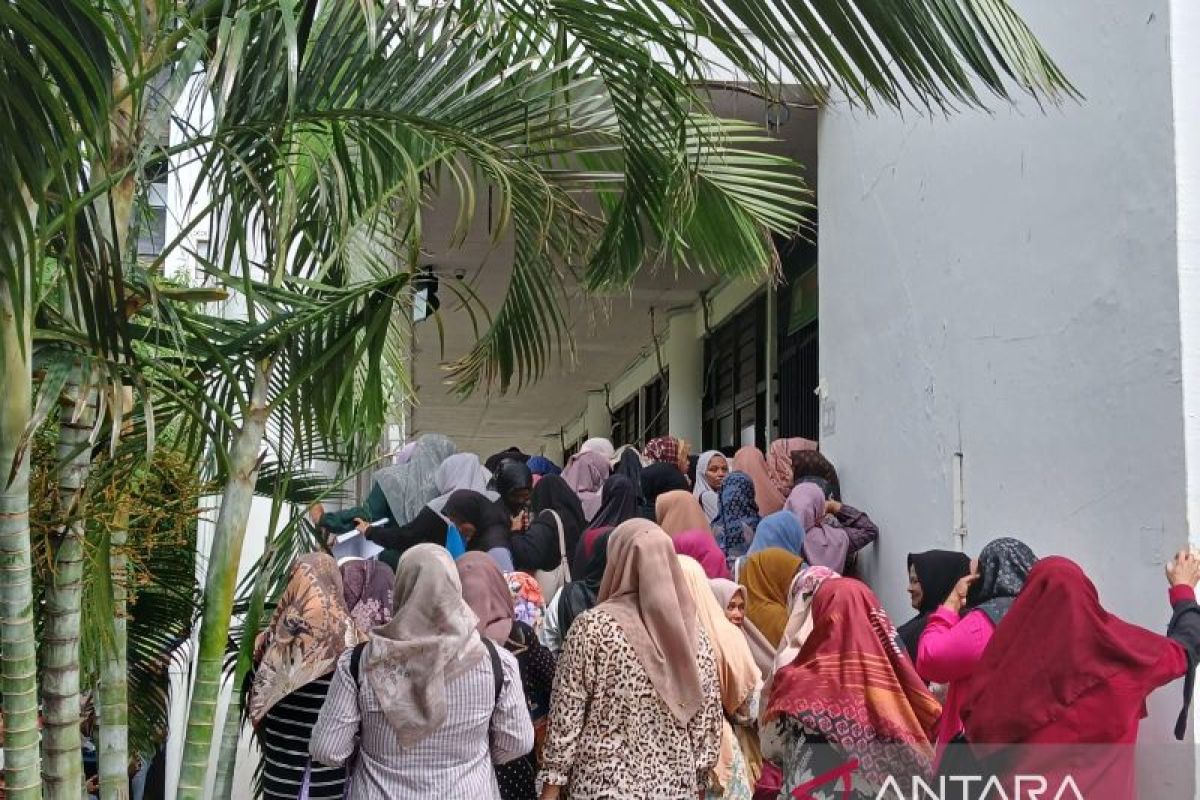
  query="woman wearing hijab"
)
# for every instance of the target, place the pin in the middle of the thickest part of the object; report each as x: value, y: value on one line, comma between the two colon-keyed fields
x: 931, y: 576
x: 487, y: 593
x: 800, y: 620
x: 399, y: 491
x: 537, y: 548
x: 678, y: 511
x: 700, y: 545
x: 636, y: 709
x: 541, y: 466
x: 460, y: 471
x: 668, y: 450
x: 849, y: 692
x: 733, y: 777
x: 767, y: 576
x: 585, y: 474
x: 732, y: 598
x: 739, y: 516
x: 428, y: 527
x: 367, y: 590
x: 658, y: 479
x: 485, y: 526
x: 599, y: 445
x: 833, y: 531
x: 711, y: 470
x: 619, y: 504
x: 293, y: 660
x: 427, y: 703
x: 529, y: 604
x: 779, y: 461
x: 577, y: 596
x: 780, y: 529
x: 511, y: 454
x: 811, y: 463
x: 958, y: 630
x: 514, y: 484
x: 752, y: 462
x: 1062, y: 670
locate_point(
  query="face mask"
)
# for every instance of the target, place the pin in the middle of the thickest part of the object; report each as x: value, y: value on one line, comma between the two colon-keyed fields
x: 454, y: 542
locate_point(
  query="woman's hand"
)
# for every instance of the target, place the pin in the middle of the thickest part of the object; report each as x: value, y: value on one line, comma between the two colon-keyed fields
x: 362, y: 525
x: 958, y: 595
x: 520, y: 522
x: 832, y: 507
x: 1184, y: 569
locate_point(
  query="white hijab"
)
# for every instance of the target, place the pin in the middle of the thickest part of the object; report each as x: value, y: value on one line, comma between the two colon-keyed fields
x: 460, y: 471
x: 703, y: 491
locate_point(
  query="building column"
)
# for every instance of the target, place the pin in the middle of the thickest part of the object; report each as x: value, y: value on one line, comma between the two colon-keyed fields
x: 596, y: 420
x: 685, y: 364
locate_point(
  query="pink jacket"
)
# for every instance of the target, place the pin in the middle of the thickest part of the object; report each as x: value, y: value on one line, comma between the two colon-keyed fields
x: 948, y: 652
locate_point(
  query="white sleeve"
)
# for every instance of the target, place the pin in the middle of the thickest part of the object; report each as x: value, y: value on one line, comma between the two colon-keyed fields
x: 550, y: 636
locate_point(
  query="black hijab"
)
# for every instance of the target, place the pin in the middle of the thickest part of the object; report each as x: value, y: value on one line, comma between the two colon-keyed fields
x: 552, y: 493
x: 512, y: 476
x: 937, y: 572
x: 630, y: 465
x: 580, y: 596
x: 428, y: 527
x: 618, y: 502
x: 658, y: 479
x: 511, y: 454
x: 492, y: 525
x: 1004, y: 565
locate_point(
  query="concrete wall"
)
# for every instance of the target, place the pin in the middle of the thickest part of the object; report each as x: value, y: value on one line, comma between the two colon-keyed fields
x: 1006, y: 286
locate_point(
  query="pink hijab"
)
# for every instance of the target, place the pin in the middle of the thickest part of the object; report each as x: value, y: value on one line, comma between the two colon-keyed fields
x: 779, y: 461
x: 701, y: 546
x: 751, y: 461
x: 585, y: 473
x: 645, y: 592
x: 824, y: 545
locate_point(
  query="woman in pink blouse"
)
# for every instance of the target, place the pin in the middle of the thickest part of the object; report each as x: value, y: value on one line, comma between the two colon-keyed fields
x: 959, y: 630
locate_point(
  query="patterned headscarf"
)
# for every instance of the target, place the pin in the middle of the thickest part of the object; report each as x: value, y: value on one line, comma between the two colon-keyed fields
x: 528, y: 602
x: 307, y: 633
x: 664, y: 450
x: 811, y: 462
x: 853, y: 685
x: 367, y: 587
x: 800, y: 623
x: 739, y: 513
x: 1004, y: 565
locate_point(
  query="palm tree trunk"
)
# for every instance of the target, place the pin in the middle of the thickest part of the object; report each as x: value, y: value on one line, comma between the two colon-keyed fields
x: 227, y: 763
x: 19, y: 668
x: 62, y: 763
x: 219, y: 586
x: 112, y: 693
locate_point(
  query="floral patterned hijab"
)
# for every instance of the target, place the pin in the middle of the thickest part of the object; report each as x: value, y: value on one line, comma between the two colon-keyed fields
x: 308, y: 632
x: 367, y: 588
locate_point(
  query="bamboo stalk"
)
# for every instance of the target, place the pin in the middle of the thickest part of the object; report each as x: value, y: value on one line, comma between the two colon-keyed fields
x: 21, y: 770
x: 220, y: 584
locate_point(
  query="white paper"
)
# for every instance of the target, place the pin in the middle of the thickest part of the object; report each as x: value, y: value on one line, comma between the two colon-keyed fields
x: 353, y: 544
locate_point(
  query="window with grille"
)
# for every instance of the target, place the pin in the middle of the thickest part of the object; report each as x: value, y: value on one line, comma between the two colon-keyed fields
x: 735, y: 380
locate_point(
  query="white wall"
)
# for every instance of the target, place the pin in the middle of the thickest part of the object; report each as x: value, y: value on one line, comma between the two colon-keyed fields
x: 1006, y: 286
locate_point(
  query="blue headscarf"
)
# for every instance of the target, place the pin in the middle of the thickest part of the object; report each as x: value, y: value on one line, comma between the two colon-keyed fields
x: 540, y: 465
x: 739, y: 511
x: 780, y: 529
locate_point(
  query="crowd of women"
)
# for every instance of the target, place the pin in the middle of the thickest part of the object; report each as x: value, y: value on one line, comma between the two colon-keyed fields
x: 648, y: 625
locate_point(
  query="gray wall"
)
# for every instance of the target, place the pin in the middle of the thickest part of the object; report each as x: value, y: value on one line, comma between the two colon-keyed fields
x: 1006, y: 286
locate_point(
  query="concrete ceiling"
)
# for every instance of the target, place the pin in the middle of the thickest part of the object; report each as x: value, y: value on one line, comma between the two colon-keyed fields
x: 609, y: 333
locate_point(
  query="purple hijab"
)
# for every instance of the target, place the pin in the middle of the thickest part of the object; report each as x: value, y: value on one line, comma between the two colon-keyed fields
x: 367, y: 588
x: 585, y: 474
x: 824, y: 545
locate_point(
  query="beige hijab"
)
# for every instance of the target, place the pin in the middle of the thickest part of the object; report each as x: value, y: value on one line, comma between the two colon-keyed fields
x: 680, y: 511
x: 751, y: 461
x: 735, y: 665
x: 430, y: 641
x: 644, y: 591
x: 308, y: 632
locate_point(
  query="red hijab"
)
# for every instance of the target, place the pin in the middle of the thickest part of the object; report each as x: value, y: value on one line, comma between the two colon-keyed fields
x: 1055, y: 645
x: 853, y: 684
